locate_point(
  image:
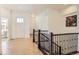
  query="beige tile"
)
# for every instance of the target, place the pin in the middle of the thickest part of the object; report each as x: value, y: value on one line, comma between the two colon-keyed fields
x: 22, y: 47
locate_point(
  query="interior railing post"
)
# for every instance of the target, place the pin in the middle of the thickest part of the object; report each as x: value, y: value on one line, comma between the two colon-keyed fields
x: 51, y: 39
x: 60, y: 50
x: 33, y: 35
x: 39, y: 39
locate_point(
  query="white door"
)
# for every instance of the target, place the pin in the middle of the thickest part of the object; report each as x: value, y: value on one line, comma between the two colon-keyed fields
x: 20, y: 27
x: 4, y: 28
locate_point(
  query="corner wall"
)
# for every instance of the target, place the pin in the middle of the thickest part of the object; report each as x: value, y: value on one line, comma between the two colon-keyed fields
x: 57, y: 20
x: 42, y: 20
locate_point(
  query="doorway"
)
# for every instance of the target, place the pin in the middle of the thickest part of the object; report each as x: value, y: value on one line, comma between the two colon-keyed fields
x: 4, y: 28
x: 4, y: 34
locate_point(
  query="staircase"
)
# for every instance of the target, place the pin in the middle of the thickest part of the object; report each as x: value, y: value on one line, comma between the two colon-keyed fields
x: 56, y: 44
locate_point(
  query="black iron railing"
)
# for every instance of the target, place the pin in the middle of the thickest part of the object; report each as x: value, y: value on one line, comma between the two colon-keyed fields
x: 67, y: 41
x: 56, y: 44
x: 55, y: 48
x: 45, y: 43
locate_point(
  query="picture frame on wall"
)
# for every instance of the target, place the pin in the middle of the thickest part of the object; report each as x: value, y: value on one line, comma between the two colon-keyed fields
x: 71, y: 21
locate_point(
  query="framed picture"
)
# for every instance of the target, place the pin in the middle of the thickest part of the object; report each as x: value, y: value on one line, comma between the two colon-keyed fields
x: 71, y: 21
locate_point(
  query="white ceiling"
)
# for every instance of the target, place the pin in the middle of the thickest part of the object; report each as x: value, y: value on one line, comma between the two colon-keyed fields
x: 35, y: 8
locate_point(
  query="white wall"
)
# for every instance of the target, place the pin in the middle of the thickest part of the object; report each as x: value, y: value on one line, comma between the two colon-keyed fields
x: 32, y: 23
x: 0, y: 22
x: 57, y: 20
x: 78, y: 24
x: 72, y: 10
x: 42, y: 20
x: 0, y: 43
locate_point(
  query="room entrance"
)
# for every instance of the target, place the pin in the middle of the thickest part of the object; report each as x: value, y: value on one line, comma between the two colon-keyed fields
x: 4, y: 28
x: 4, y: 34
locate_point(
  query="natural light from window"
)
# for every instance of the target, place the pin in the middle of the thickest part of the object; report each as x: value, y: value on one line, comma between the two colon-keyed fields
x: 20, y: 19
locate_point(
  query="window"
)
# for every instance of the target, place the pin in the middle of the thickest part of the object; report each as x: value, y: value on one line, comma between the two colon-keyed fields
x: 20, y: 19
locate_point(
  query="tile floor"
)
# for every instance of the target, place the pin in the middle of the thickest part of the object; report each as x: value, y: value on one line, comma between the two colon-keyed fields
x: 20, y: 47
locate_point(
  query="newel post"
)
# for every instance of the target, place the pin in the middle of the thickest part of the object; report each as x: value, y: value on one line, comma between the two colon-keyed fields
x: 39, y: 39
x: 51, y: 46
x: 33, y: 35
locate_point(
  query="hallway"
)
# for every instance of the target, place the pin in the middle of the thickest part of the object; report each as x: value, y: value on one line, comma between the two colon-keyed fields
x: 21, y: 47
x: 18, y: 22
